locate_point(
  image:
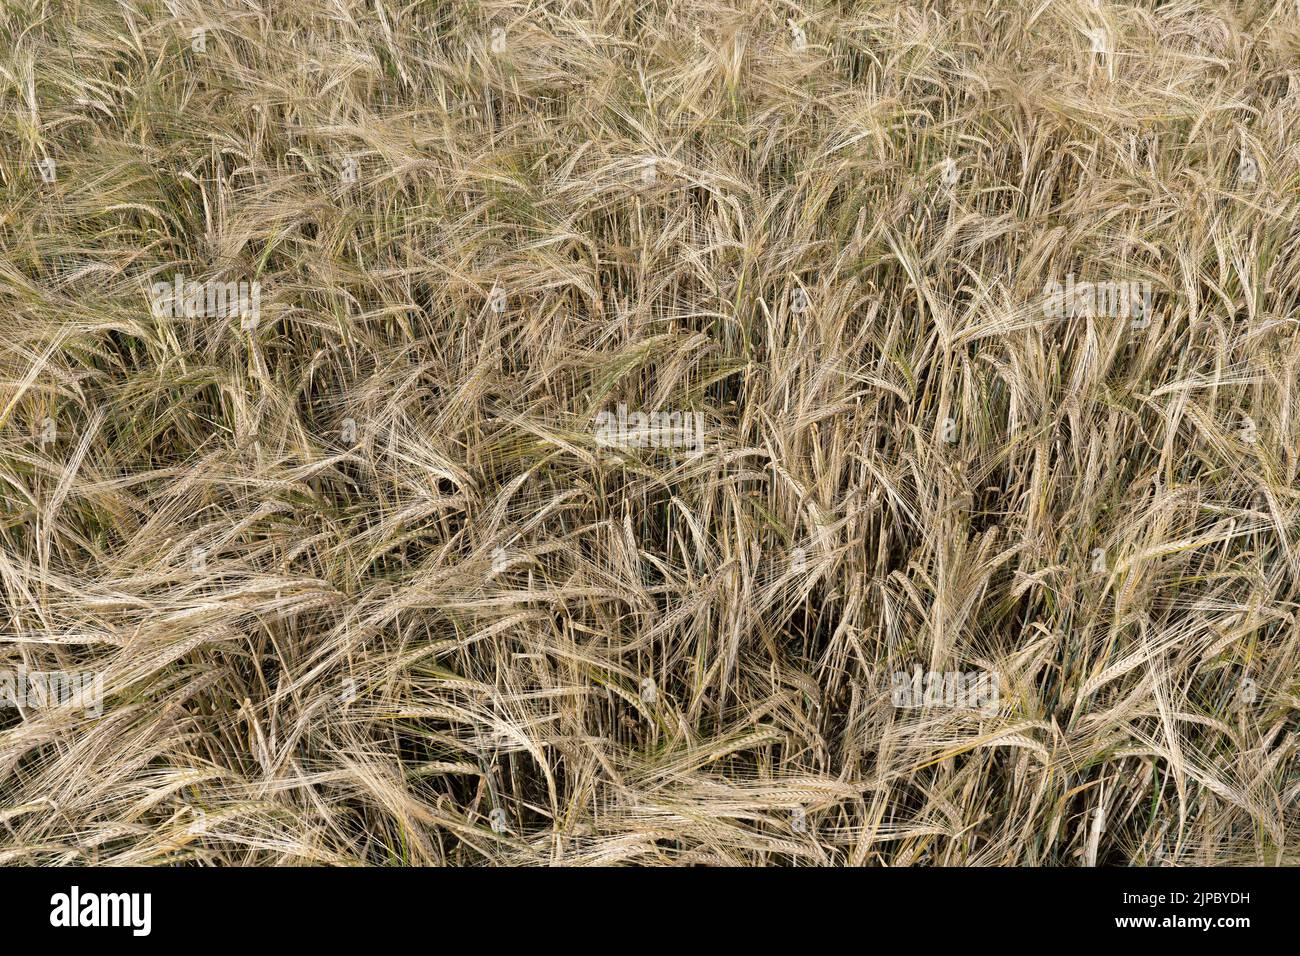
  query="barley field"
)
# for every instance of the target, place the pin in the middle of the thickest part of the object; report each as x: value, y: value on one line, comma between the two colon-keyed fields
x: 649, y: 433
